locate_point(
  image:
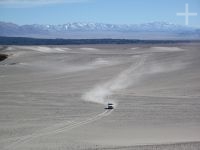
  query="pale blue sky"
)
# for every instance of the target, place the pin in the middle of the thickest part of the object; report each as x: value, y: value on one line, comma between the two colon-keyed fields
x: 102, y: 11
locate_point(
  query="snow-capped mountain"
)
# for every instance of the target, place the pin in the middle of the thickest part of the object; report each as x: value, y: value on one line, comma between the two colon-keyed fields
x: 153, y: 30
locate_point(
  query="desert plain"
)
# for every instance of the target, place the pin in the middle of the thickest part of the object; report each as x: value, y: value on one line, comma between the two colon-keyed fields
x: 54, y: 97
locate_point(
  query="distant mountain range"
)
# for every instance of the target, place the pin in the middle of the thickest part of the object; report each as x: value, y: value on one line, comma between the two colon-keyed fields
x: 153, y: 31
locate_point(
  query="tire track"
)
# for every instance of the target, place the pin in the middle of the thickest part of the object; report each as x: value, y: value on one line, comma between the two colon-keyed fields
x: 65, y: 128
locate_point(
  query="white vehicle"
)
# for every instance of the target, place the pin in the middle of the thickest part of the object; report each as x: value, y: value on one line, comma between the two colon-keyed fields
x: 110, y: 106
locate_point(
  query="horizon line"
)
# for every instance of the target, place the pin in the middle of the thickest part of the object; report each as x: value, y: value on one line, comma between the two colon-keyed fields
x: 88, y: 22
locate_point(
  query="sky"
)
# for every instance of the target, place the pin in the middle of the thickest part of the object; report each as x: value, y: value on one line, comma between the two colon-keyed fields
x: 99, y: 11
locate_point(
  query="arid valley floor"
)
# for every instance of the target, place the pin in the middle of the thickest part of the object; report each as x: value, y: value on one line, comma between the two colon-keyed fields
x: 53, y: 97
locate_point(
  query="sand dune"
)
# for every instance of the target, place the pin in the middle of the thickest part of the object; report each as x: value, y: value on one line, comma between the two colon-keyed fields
x: 54, y: 97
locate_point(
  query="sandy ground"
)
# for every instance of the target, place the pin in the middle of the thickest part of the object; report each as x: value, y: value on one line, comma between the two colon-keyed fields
x: 53, y: 98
